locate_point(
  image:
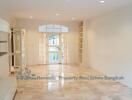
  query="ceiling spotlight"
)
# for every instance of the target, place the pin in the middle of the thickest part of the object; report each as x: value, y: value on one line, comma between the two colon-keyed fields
x: 57, y: 14
x: 73, y: 18
x: 102, y: 1
x: 68, y: 0
x: 31, y: 17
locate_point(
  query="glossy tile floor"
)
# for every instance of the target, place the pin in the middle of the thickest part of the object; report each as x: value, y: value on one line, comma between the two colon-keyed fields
x: 69, y: 88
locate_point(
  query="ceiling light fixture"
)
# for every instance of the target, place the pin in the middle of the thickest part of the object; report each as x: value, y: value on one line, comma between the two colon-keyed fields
x: 68, y: 0
x: 31, y: 17
x: 73, y: 18
x: 57, y: 14
x: 102, y: 1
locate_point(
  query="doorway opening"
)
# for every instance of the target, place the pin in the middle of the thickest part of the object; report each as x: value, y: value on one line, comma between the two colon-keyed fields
x: 55, y: 48
x: 56, y: 52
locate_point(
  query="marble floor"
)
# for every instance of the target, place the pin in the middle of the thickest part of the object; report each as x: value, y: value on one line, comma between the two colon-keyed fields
x: 67, y: 84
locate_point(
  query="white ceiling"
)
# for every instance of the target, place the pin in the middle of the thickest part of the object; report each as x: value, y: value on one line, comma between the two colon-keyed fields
x: 47, y: 9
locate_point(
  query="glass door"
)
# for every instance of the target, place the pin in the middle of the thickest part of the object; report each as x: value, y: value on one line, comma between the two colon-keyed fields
x: 15, y: 48
x: 54, y: 49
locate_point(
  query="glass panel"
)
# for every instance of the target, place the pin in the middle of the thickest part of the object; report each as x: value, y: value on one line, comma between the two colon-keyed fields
x: 53, y: 28
x: 18, y: 59
x: 50, y: 30
x: 57, y: 30
x: 62, y: 48
x: 62, y: 38
x: 17, y: 41
x: 64, y: 29
x: 52, y: 49
x: 42, y: 28
x: 53, y: 40
x: 50, y: 26
x: 57, y: 26
x: 53, y: 57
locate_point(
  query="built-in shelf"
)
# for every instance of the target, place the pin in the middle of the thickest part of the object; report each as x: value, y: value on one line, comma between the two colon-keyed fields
x: 4, y: 31
x: 3, y: 41
x: 81, y: 42
x: 7, y: 83
x: 2, y: 53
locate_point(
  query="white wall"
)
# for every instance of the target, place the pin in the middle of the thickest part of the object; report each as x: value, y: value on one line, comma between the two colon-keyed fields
x: 109, y: 43
x: 33, y: 36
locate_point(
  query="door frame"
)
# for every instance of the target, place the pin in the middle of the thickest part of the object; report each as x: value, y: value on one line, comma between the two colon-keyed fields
x: 47, y: 48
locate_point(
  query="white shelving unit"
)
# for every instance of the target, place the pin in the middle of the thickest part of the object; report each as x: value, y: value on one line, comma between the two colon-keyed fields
x: 7, y: 83
x: 4, y: 32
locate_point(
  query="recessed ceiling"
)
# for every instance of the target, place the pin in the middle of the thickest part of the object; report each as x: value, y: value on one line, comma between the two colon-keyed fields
x: 59, y: 10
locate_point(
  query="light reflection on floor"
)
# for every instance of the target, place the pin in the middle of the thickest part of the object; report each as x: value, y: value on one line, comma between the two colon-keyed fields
x: 69, y: 89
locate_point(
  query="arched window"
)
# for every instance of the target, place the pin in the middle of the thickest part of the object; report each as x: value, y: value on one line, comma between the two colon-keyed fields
x: 53, y: 28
